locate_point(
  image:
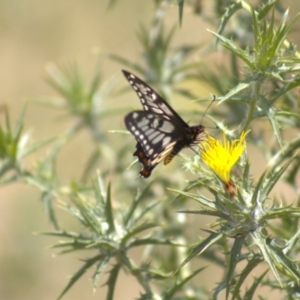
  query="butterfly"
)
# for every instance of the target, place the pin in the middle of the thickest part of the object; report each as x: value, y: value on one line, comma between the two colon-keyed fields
x: 159, y: 131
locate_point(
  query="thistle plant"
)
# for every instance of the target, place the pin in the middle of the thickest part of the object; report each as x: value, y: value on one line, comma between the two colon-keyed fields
x: 253, y: 235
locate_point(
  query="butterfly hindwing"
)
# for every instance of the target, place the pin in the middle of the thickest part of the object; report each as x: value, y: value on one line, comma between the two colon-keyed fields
x: 152, y: 132
x: 144, y: 160
x: 149, y: 165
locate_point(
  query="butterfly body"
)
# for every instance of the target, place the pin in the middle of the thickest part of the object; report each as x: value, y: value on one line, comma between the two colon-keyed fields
x: 160, y: 132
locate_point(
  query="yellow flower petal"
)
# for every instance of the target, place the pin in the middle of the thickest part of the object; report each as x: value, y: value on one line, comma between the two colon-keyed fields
x: 221, y: 156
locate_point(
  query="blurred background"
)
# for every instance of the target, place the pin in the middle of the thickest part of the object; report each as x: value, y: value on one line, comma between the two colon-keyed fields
x: 33, y: 34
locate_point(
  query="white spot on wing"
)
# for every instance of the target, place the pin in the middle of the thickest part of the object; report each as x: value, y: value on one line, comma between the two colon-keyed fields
x: 143, y: 122
x: 149, y: 131
x: 166, y: 141
x: 142, y: 88
x: 157, y: 110
x: 150, y: 100
x: 155, y: 123
x: 153, y: 135
x: 165, y: 108
x: 158, y: 138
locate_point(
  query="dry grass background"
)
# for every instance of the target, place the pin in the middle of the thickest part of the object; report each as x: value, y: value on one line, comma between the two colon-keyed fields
x: 34, y: 33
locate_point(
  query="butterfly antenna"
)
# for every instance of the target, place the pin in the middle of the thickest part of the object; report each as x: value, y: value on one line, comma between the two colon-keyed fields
x: 213, y: 100
x: 193, y: 150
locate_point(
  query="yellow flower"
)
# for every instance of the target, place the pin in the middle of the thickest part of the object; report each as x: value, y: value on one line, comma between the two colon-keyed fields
x: 221, y: 156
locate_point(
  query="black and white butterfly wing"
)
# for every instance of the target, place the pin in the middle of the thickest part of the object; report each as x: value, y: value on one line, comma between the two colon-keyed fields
x: 154, y: 133
x: 155, y: 137
x: 160, y: 132
x: 153, y: 102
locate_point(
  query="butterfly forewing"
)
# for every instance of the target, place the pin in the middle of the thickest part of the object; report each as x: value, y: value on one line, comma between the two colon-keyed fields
x: 160, y: 132
x: 152, y: 101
